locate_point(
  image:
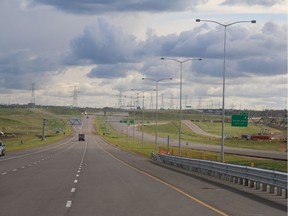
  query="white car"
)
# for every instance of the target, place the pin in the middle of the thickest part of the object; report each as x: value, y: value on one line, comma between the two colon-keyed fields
x: 2, y: 149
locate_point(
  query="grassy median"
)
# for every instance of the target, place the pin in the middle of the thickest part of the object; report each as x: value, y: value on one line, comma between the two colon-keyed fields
x: 165, y: 127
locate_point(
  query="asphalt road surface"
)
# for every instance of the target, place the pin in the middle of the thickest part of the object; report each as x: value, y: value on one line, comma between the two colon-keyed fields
x: 114, y: 121
x: 72, y: 178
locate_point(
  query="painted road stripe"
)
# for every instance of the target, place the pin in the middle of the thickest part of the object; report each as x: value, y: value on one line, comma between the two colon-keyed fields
x: 168, y: 185
x: 4, y: 173
x: 73, y: 190
x: 75, y: 181
x: 68, y: 204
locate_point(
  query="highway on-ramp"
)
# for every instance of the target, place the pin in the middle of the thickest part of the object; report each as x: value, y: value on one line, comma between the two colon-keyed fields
x: 91, y: 177
x: 114, y: 121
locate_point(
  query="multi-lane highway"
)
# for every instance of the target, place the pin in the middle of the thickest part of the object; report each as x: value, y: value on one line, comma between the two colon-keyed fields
x: 114, y: 121
x: 72, y: 178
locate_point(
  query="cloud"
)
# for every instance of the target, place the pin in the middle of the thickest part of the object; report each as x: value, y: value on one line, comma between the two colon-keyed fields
x: 18, y: 69
x: 111, y: 71
x: 247, y: 53
x: 266, y: 3
x: 107, y: 6
x: 102, y: 43
x: 115, y: 52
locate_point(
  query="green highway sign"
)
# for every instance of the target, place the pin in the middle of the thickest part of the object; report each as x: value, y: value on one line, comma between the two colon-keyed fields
x: 130, y: 121
x: 239, y: 121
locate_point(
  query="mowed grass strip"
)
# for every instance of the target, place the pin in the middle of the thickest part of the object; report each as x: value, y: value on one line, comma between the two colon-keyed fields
x: 23, y: 126
x: 126, y: 142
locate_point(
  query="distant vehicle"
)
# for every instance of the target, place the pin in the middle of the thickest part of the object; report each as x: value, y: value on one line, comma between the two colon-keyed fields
x: 81, y: 137
x: 2, y: 149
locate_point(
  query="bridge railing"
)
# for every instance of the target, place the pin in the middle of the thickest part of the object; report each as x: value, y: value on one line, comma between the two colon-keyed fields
x: 261, y: 179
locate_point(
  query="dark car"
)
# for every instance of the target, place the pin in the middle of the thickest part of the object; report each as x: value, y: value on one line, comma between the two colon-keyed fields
x: 2, y: 149
x: 81, y: 137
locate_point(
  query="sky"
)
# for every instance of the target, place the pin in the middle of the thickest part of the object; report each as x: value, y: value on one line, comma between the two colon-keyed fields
x: 91, y: 53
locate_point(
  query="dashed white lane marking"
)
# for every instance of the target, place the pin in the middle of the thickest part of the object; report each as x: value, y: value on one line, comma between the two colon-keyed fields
x: 73, y: 190
x: 77, y: 175
x: 14, y: 170
x: 4, y: 173
x: 75, y: 181
x: 68, y: 204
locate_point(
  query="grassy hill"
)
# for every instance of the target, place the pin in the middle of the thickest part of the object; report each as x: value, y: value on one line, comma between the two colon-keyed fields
x: 23, y: 126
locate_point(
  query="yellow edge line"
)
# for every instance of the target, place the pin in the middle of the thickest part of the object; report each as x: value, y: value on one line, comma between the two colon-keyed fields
x: 167, y: 184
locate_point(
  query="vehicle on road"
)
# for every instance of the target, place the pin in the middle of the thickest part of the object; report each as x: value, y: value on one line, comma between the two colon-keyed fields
x: 81, y: 137
x: 2, y: 149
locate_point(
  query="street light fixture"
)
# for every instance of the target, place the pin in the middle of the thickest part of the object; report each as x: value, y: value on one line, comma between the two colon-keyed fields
x: 181, y: 82
x: 224, y: 75
x: 156, y: 117
x: 143, y: 91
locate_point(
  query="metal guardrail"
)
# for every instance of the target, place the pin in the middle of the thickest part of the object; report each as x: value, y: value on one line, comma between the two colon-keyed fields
x: 244, y: 175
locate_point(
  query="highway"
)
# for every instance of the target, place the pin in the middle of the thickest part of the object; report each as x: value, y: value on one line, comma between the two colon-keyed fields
x: 93, y: 178
x: 114, y: 121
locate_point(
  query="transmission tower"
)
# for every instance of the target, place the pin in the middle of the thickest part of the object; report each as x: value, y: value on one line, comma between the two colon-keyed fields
x: 33, y: 94
x: 75, y: 96
x: 171, y: 102
x: 200, y: 103
x: 151, y: 101
x: 120, y: 102
x: 162, y: 101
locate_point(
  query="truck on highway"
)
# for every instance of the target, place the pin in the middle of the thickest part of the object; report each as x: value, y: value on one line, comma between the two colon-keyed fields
x: 81, y: 137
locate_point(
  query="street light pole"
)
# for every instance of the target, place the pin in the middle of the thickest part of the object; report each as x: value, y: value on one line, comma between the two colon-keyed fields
x: 156, y: 113
x: 181, y: 82
x: 224, y: 76
x: 143, y: 91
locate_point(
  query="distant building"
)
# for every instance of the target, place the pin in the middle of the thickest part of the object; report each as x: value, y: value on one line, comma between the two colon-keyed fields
x: 31, y: 105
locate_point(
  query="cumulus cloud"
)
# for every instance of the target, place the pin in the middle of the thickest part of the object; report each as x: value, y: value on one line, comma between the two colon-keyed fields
x: 111, y: 71
x: 106, y: 6
x: 116, y: 52
x: 103, y: 43
x: 266, y: 3
x: 20, y: 68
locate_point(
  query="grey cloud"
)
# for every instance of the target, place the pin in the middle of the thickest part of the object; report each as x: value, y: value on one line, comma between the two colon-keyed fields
x: 104, y: 6
x: 102, y: 43
x: 266, y: 3
x: 20, y: 68
x: 247, y: 53
x: 110, y: 71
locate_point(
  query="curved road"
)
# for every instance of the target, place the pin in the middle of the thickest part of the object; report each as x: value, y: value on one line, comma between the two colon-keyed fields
x: 72, y: 178
x: 114, y: 122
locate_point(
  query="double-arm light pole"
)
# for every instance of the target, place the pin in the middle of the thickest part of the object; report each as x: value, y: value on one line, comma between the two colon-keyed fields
x: 181, y: 82
x: 156, y: 114
x: 224, y: 75
x: 143, y: 91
